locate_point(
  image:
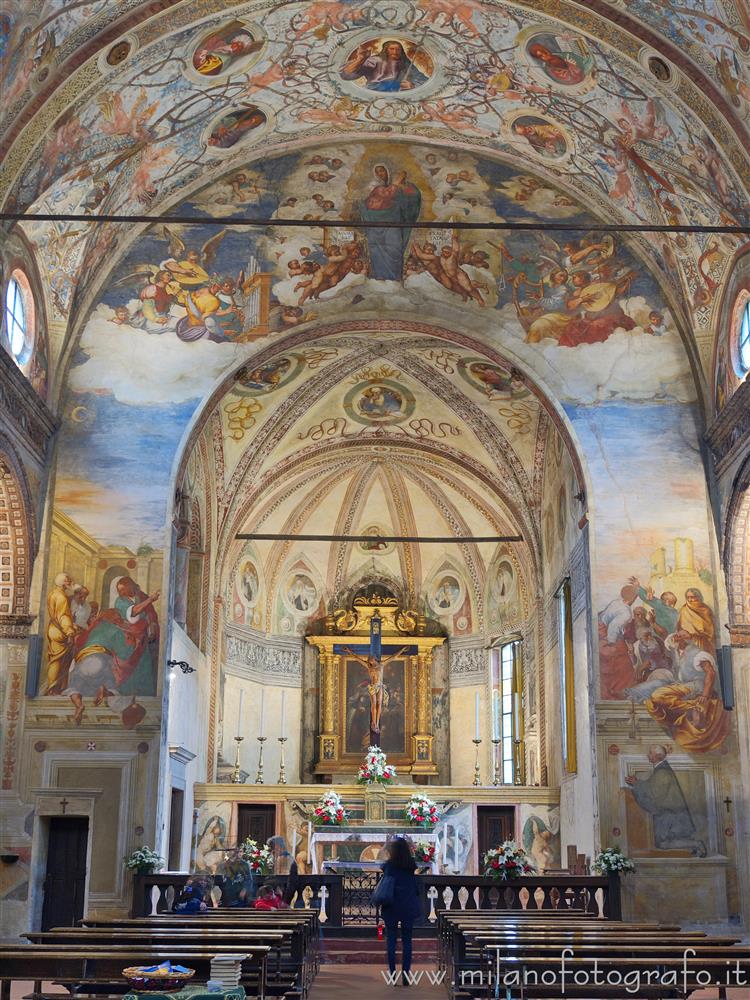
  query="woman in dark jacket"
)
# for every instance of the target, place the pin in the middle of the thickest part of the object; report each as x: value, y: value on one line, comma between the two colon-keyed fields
x: 405, y: 906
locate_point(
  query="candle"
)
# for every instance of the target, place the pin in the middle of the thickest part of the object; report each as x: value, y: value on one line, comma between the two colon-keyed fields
x: 239, y: 717
x: 262, y: 705
x: 496, y: 715
x: 283, y: 711
x: 445, y: 846
x: 294, y: 845
x: 476, y: 717
x: 309, y: 842
x: 455, y: 849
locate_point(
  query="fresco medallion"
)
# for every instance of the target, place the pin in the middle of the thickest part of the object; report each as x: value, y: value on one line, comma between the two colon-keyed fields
x: 270, y: 376
x: 387, y: 65
x: 539, y: 135
x: 234, y: 126
x: 379, y: 401
x: 494, y: 381
x: 446, y: 595
x: 221, y: 51
x: 248, y: 584
x: 300, y: 594
x: 377, y: 545
x: 560, y: 60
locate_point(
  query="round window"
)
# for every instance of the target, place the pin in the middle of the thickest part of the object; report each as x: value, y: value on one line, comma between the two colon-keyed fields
x: 743, y: 338
x: 19, y: 317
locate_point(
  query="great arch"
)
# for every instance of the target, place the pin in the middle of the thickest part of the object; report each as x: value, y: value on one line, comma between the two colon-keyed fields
x: 395, y: 376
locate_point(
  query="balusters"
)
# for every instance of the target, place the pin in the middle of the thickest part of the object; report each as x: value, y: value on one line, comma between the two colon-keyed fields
x: 169, y: 896
x: 323, y: 896
x: 447, y: 897
x: 432, y: 895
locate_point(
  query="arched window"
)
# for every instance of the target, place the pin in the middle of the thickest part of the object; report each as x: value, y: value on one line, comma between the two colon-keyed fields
x: 19, y: 319
x: 743, y: 338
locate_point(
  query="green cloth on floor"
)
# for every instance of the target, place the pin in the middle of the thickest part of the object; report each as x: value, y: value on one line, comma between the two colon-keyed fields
x: 197, y: 991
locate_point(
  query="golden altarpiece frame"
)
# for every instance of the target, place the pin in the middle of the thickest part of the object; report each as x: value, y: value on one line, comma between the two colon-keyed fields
x: 346, y: 692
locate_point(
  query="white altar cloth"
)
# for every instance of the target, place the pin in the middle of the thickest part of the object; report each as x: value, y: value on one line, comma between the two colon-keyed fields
x: 364, y: 838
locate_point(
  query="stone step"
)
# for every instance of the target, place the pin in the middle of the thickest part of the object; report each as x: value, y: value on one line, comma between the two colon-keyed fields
x: 364, y: 950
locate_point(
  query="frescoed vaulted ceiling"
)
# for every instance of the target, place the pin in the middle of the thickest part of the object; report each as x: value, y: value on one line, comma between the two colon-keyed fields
x: 630, y: 112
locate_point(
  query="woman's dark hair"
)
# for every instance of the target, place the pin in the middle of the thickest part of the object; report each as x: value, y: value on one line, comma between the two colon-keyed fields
x: 400, y: 853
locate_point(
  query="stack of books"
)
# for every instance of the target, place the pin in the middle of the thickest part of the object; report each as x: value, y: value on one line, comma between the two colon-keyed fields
x: 227, y: 969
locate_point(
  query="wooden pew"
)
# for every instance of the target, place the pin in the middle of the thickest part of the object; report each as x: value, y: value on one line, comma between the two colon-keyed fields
x: 287, y: 971
x: 303, y: 923
x: 99, y: 970
x: 478, y: 951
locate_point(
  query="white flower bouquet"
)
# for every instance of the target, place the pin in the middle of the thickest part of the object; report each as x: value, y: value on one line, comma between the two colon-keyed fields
x: 421, y: 811
x: 612, y: 862
x: 376, y: 770
x: 507, y: 861
x: 143, y: 861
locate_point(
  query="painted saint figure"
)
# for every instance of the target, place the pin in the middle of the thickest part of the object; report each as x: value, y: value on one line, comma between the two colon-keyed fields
x: 387, y: 71
x: 116, y: 656
x: 375, y: 666
x: 566, y: 68
x: 661, y: 796
x: 399, y: 201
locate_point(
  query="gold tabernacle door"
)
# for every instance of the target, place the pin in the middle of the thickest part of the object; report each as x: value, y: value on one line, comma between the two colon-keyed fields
x: 365, y: 698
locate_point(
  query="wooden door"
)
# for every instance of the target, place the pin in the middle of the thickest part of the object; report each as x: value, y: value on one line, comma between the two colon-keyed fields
x: 257, y: 822
x: 494, y: 825
x: 65, y: 880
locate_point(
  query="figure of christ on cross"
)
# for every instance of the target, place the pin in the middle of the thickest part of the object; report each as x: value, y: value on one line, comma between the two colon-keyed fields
x: 374, y: 665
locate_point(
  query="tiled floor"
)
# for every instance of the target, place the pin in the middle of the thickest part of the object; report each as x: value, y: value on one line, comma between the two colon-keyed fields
x: 342, y: 982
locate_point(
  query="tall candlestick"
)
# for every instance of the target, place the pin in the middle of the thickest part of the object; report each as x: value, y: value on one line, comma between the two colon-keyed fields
x: 309, y: 842
x: 294, y: 845
x: 476, y: 717
x: 283, y: 712
x: 445, y: 846
x: 239, y: 716
x: 261, y: 732
x: 455, y: 849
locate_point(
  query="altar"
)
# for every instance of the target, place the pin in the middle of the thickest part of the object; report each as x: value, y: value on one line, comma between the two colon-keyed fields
x: 361, y: 846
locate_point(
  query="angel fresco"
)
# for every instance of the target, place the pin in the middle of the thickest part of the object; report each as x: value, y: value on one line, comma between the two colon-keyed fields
x: 445, y: 267
x: 216, y: 307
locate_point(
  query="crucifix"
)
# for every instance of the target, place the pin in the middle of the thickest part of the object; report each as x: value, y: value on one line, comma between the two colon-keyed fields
x: 374, y: 663
x: 727, y: 803
x: 64, y: 803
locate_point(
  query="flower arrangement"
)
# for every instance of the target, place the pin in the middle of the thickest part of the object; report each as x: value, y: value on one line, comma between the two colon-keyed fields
x: 421, y: 811
x: 612, y: 862
x: 507, y: 861
x: 260, y: 859
x: 375, y: 769
x: 143, y: 861
x: 425, y: 853
x: 329, y: 811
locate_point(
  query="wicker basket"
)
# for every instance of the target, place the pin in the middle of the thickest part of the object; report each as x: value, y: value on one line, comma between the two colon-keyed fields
x: 149, y: 982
